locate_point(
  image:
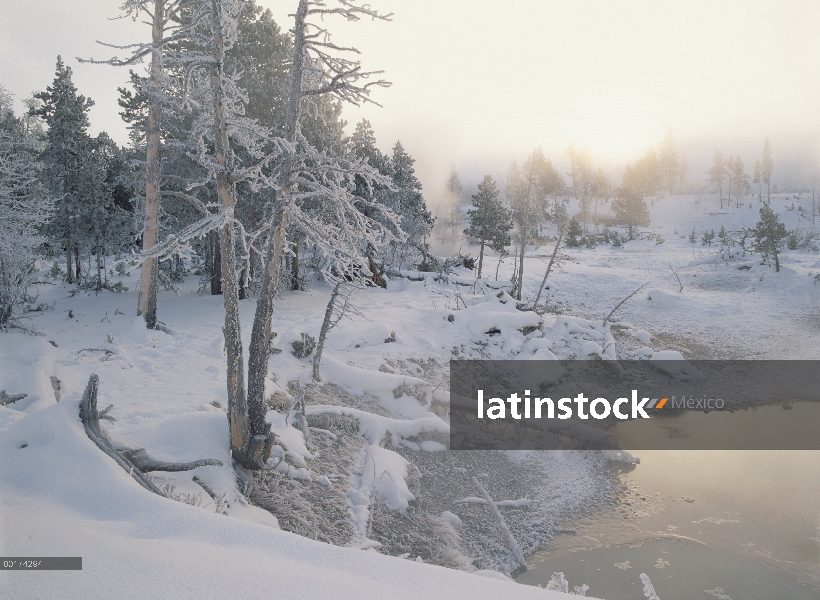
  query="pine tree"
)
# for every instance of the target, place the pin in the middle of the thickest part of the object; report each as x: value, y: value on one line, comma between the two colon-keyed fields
x: 716, y: 174
x: 769, y: 235
x: 67, y: 148
x: 630, y: 209
x: 407, y: 201
x: 24, y: 208
x: 403, y: 198
x: 759, y: 179
x: 573, y: 233
x: 454, y: 189
x: 645, y: 176
x: 490, y: 220
x: 739, y: 177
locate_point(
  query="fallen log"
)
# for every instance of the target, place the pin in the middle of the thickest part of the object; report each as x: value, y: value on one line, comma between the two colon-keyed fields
x: 145, y: 462
x: 91, y: 421
x: 518, y: 557
x: 9, y: 398
x: 134, y: 460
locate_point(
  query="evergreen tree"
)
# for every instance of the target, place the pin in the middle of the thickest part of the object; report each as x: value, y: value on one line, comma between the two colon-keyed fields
x: 573, y: 233
x: 759, y: 179
x: 408, y: 203
x: 454, y: 189
x: 24, y: 208
x: 644, y: 177
x: 490, y: 220
x: 630, y: 209
x: 769, y: 235
x: 716, y: 174
x: 67, y: 150
x: 739, y: 178
x: 403, y: 198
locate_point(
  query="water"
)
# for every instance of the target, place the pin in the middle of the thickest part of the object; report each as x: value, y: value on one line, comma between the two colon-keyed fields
x: 701, y: 524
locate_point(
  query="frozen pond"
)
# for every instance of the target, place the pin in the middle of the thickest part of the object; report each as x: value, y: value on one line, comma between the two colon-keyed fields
x: 701, y: 524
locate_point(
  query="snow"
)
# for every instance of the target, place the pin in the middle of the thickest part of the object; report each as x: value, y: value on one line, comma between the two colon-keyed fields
x: 59, y: 495
x: 132, y: 541
x: 452, y: 519
x: 673, y: 364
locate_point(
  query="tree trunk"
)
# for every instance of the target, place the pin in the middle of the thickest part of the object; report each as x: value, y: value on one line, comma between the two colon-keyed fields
x: 147, y: 303
x: 547, y: 273
x: 260, y: 335
x: 99, y: 265
x: 77, y: 268
x: 294, y: 267
x: 521, y: 263
x: 237, y: 402
x: 216, y: 265
x: 69, y: 271
x: 480, y: 258
x: 320, y: 346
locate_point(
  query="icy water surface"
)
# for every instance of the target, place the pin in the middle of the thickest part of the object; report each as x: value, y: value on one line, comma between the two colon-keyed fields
x: 701, y: 524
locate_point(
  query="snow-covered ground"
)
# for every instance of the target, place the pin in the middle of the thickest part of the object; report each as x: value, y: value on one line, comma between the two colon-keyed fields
x: 59, y: 495
x: 734, y: 308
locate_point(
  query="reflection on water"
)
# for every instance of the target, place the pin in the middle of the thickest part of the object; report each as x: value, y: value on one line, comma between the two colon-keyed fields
x: 744, y: 522
x: 787, y: 426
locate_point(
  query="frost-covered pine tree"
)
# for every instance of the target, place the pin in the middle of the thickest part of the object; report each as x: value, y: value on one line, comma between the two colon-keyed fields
x: 169, y: 28
x: 24, y: 208
x: 405, y: 200
x: 403, y: 197
x: 312, y: 188
x: 66, y: 153
x: 490, y: 220
x: 347, y: 225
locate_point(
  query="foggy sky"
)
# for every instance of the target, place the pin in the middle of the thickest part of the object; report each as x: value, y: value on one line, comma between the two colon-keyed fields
x: 477, y: 84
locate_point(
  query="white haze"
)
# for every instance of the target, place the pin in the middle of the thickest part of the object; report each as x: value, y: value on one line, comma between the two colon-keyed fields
x: 477, y: 84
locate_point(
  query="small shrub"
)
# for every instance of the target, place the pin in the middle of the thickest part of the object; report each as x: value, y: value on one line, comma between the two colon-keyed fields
x: 708, y: 238
x: 56, y: 272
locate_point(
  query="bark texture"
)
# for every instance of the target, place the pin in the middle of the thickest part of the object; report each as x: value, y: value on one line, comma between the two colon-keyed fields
x: 147, y: 306
x: 258, y: 351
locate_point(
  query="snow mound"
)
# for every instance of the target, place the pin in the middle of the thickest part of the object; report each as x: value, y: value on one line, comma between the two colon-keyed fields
x: 646, y: 353
x: 643, y: 336
x: 661, y: 298
x: 673, y: 364
x: 505, y: 323
x: 451, y: 519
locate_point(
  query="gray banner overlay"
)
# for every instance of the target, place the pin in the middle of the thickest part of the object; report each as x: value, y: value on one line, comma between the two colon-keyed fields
x: 41, y: 563
x: 635, y: 405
